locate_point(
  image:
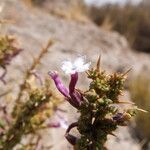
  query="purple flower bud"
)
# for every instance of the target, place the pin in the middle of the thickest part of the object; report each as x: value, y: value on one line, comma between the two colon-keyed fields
x: 59, y: 84
x: 118, y: 117
x: 71, y: 139
x: 72, y: 95
x: 53, y: 125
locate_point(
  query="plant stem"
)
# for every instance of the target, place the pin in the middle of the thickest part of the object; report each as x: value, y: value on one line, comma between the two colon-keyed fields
x: 28, y: 73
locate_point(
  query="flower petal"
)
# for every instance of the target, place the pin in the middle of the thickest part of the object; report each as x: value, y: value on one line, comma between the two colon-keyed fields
x: 67, y: 67
x: 80, y: 65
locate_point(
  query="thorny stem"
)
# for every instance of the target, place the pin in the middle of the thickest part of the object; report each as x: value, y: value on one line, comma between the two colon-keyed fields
x: 29, y: 71
x: 98, y: 65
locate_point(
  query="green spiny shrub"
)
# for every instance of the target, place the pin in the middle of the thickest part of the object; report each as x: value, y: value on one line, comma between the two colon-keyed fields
x: 98, y: 106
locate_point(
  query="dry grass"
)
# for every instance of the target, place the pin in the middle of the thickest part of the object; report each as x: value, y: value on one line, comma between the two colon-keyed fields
x: 140, y: 94
x: 131, y: 21
x: 34, y: 2
x: 70, y: 10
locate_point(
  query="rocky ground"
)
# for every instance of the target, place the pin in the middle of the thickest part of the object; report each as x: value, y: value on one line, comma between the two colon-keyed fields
x: 34, y: 27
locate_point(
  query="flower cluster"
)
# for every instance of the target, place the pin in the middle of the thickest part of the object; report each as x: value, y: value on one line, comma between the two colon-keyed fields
x: 98, y: 107
x: 72, y: 95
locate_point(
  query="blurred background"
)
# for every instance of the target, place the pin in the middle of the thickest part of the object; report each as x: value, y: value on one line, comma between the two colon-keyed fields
x: 119, y: 30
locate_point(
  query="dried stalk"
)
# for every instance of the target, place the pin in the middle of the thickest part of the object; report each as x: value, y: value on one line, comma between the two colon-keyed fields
x: 28, y: 73
x: 22, y: 123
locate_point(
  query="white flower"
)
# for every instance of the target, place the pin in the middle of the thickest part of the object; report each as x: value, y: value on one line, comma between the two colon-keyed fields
x: 67, y: 67
x: 78, y: 65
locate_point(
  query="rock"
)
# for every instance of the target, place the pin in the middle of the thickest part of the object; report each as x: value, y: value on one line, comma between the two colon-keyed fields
x: 122, y: 141
x: 34, y: 27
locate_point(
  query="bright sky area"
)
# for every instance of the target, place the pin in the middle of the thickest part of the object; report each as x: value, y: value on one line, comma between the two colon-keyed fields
x: 101, y: 2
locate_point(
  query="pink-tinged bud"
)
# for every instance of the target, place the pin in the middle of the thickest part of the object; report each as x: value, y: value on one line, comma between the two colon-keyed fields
x: 53, y: 125
x: 122, y: 117
x: 71, y: 95
x: 118, y: 117
x: 59, y: 84
x: 71, y: 139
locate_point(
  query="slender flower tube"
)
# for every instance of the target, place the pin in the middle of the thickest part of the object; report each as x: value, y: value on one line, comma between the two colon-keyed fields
x: 73, y: 82
x: 70, y: 97
x: 75, y: 95
x: 63, y: 90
